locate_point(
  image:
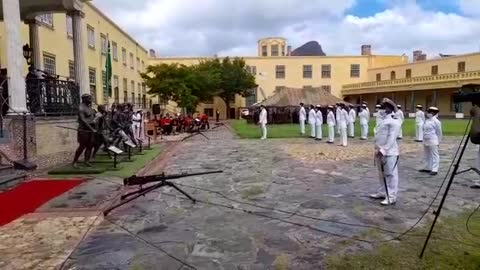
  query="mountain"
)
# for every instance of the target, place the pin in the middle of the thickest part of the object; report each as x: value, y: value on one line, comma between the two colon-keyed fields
x: 311, y: 48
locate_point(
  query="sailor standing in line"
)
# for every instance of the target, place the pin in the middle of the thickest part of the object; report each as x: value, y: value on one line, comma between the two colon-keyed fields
x: 401, y: 118
x: 331, y: 125
x: 262, y: 121
x: 387, y: 154
x: 318, y: 123
x: 378, y: 119
x: 366, y: 107
x: 302, y: 116
x: 342, y: 123
x: 364, y: 117
x: 352, y: 117
x: 419, y: 121
x: 432, y: 135
x: 312, y: 119
x: 337, y: 115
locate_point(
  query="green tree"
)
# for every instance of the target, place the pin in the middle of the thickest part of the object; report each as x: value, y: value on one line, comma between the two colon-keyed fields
x: 236, y: 80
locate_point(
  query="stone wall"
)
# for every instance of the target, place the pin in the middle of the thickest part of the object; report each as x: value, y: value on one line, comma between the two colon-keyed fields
x: 52, y: 139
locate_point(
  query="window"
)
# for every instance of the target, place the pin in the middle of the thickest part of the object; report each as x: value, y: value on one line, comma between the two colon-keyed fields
x: 115, y: 51
x: 408, y: 73
x: 106, y: 93
x: 252, y: 70
x: 144, y: 88
x: 131, y: 61
x: 307, y: 71
x: 103, y: 41
x: 124, y: 56
x: 251, y: 98
x: 139, y: 88
x: 49, y: 64
x: 280, y: 72
x: 283, y: 50
x: 91, y: 36
x: 69, y: 26
x: 139, y: 100
x: 435, y: 70
x: 125, y: 90
x: 115, y: 81
x: 326, y: 71
x: 132, y: 100
x: 71, y: 70
x: 208, y: 112
x: 274, y: 50
x: 92, y: 78
x: 115, y: 87
x: 264, y: 50
x: 354, y: 70
x: 461, y: 67
x: 143, y: 66
x: 379, y: 77
x: 138, y: 63
x: 144, y: 101
x: 46, y: 19
x: 132, y: 85
x: 327, y: 88
x: 393, y: 75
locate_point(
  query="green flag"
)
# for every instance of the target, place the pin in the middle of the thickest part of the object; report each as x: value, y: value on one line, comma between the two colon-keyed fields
x: 108, y: 71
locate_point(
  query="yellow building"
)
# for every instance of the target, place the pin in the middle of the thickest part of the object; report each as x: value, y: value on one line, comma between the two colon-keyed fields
x: 55, y: 51
x: 426, y: 82
x: 275, y: 68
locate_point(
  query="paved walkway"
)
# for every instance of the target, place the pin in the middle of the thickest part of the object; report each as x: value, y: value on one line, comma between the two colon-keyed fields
x: 300, y: 176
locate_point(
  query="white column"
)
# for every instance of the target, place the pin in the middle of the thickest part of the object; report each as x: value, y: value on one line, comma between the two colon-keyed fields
x: 34, y: 42
x: 81, y: 75
x: 15, y: 60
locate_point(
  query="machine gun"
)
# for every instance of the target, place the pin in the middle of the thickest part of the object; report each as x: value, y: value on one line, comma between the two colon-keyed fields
x: 162, y: 179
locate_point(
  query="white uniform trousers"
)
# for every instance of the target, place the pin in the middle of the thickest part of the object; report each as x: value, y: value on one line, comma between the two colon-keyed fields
x: 264, y: 131
x: 364, y: 128
x: 351, y: 129
x: 331, y: 134
x: 312, y: 130
x: 338, y: 130
x: 302, y: 127
x: 318, y: 131
x: 419, y: 132
x: 343, y: 136
x: 388, y: 172
x: 400, y: 133
x: 432, y: 158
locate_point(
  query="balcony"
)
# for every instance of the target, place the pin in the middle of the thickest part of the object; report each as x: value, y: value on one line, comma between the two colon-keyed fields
x: 451, y: 80
x: 52, y: 97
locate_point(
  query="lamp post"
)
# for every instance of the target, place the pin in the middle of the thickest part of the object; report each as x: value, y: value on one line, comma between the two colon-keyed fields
x: 27, y: 53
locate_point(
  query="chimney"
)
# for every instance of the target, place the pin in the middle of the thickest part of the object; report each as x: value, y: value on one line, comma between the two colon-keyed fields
x: 366, y: 49
x: 422, y: 57
x: 416, y: 55
x: 152, y: 53
x: 289, y: 50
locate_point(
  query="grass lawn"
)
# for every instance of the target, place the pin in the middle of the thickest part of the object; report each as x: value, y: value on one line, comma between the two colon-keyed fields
x: 444, y: 251
x: 451, y: 127
x: 104, y: 166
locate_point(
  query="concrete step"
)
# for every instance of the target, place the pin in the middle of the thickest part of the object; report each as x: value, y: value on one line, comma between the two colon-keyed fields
x: 10, y: 178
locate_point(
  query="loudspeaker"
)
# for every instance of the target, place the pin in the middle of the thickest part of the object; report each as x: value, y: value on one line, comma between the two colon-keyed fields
x: 156, y: 108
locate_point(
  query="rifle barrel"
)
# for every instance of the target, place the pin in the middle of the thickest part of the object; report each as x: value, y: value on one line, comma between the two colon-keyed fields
x: 142, y: 180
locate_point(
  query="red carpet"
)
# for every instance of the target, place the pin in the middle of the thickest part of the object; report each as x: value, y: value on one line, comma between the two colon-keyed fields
x: 27, y: 197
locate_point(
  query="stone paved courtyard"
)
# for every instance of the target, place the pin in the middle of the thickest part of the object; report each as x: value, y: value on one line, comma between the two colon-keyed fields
x: 300, y: 176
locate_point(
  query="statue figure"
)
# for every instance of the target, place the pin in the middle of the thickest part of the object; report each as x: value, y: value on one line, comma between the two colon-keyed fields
x: 86, y: 131
x: 102, y: 128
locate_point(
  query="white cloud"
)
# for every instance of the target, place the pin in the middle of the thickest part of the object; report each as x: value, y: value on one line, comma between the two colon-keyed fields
x: 207, y: 27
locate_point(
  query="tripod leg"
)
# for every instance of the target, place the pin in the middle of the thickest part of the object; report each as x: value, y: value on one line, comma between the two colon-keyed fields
x: 204, y: 135
x: 140, y: 193
x: 170, y: 184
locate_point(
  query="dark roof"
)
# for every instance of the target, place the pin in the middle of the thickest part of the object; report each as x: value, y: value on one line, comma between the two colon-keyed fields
x: 311, y: 48
x: 293, y: 96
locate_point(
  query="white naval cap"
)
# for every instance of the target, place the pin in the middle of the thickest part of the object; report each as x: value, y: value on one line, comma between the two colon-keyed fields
x: 364, y: 105
x: 435, y: 109
x: 377, y: 106
x: 318, y: 106
x: 399, y: 106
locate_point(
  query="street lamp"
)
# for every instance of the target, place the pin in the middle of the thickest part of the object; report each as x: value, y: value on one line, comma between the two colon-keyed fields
x: 27, y: 53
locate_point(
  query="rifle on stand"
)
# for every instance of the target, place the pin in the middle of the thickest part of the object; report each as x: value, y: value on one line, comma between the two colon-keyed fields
x: 162, y: 179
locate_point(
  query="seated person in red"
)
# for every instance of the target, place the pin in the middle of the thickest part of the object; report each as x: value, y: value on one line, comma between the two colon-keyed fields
x: 188, y: 122
x: 166, y: 124
x: 204, y: 120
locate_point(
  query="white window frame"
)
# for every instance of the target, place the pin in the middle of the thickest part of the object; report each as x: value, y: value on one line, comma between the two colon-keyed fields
x: 71, y: 70
x: 124, y: 56
x: 46, y: 19
x: 91, y: 37
x: 48, y: 56
x: 69, y: 25
x: 115, y: 51
x: 103, y: 43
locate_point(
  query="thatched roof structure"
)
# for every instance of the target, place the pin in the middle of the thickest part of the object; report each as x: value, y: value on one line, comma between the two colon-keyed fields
x: 293, y: 96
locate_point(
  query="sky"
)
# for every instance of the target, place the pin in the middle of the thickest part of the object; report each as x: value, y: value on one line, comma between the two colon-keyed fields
x: 233, y: 27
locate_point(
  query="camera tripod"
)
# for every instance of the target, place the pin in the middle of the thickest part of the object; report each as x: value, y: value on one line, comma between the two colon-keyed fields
x: 454, y: 173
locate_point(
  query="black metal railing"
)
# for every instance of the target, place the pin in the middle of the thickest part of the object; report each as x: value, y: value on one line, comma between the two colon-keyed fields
x: 51, y: 97
x: 3, y: 103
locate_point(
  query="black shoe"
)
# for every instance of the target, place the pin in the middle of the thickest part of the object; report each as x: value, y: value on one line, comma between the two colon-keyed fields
x: 425, y: 171
x: 317, y: 139
x: 433, y: 173
x: 330, y: 142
